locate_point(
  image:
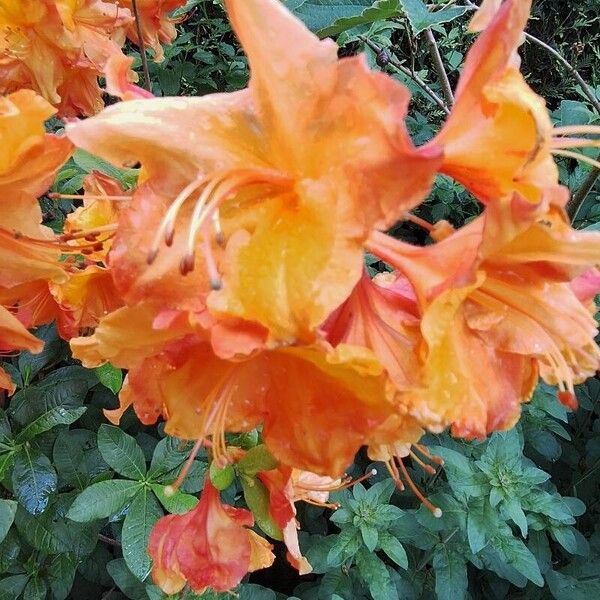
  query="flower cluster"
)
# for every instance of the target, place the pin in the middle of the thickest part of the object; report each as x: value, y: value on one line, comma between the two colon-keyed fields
x: 230, y: 283
x: 59, y: 48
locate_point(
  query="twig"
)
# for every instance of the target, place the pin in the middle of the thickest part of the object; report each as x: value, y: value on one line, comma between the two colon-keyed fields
x: 576, y: 202
x: 438, y: 64
x: 584, y: 86
x: 398, y: 65
x: 109, y: 541
x: 142, y: 46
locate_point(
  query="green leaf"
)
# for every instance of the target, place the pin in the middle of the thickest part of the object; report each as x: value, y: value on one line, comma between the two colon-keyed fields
x: 482, y: 524
x: 462, y: 475
x: 257, y: 499
x: 370, y: 536
x: 169, y: 454
x: 8, y: 509
x: 12, y: 587
x: 516, y: 554
x: 514, y: 511
x: 77, y: 458
x: 450, y: 574
x: 36, y: 589
x: 61, y: 573
x: 374, y: 573
x: 178, y: 503
x: 34, y: 479
x: 420, y: 18
x: 257, y: 459
x: 88, y: 162
x: 141, y: 517
x: 379, y: 11
x: 110, y: 377
x: 55, y: 349
x: 221, y: 477
x: 345, y: 546
x: 124, y: 578
x: 566, y: 587
x: 121, y: 452
x: 57, y: 415
x: 103, y: 499
x: 393, y: 549
x: 321, y: 14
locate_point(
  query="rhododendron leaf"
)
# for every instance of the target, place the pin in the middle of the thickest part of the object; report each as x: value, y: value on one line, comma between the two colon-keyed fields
x: 257, y: 499
x: 257, y: 459
x: 121, y: 452
x: 178, y: 503
x: 142, y: 514
x: 102, y: 499
x: 221, y: 477
x: 420, y: 18
x: 393, y: 549
x: 8, y: 508
x: 33, y: 479
x: 110, y: 377
x: 374, y: 573
x: 450, y: 574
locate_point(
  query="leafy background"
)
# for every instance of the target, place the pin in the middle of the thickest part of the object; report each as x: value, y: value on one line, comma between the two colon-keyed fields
x: 521, y: 511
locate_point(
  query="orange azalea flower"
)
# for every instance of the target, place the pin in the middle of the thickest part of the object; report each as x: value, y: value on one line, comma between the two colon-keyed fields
x: 292, y: 173
x: 381, y: 314
x: 59, y: 48
x: 496, y: 310
x: 156, y: 26
x: 13, y: 336
x: 208, y: 547
x: 317, y: 408
x: 497, y: 114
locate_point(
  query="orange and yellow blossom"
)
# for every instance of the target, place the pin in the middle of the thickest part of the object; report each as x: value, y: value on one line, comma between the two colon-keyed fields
x: 499, y: 305
x: 209, y: 547
x: 14, y: 336
x: 291, y: 174
x: 36, y: 284
x: 498, y: 115
x: 317, y: 408
x: 156, y: 25
x: 59, y: 48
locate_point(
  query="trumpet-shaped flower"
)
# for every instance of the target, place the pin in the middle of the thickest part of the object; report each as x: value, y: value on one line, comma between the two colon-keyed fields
x: 155, y: 24
x: 497, y: 310
x: 59, y: 48
x: 317, y: 407
x: 291, y: 174
x: 497, y: 114
x: 13, y: 336
x: 381, y: 314
x: 209, y: 547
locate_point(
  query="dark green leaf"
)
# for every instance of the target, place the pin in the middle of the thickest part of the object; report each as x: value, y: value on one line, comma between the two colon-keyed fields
x: 8, y: 509
x: 370, y: 536
x: 421, y: 18
x: 450, y: 574
x: 141, y: 517
x: 121, y: 452
x: 34, y: 479
x: 12, y: 587
x: 57, y: 415
x: 102, y: 499
x: 221, y: 477
x: 61, y: 573
x: 394, y: 549
x: 35, y: 589
x: 374, y: 573
x: 482, y: 524
x: 131, y: 586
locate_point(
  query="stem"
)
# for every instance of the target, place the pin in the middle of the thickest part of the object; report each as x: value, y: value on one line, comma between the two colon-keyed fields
x: 584, y: 86
x: 398, y: 65
x: 138, y: 27
x: 576, y: 202
x: 438, y: 64
x: 109, y: 541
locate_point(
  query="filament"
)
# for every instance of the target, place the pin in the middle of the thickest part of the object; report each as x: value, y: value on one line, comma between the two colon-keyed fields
x: 171, y: 489
x: 577, y: 156
x: 56, y: 196
x: 436, y: 511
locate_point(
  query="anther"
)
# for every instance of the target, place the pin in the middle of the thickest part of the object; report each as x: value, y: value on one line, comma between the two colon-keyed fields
x: 187, y: 264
